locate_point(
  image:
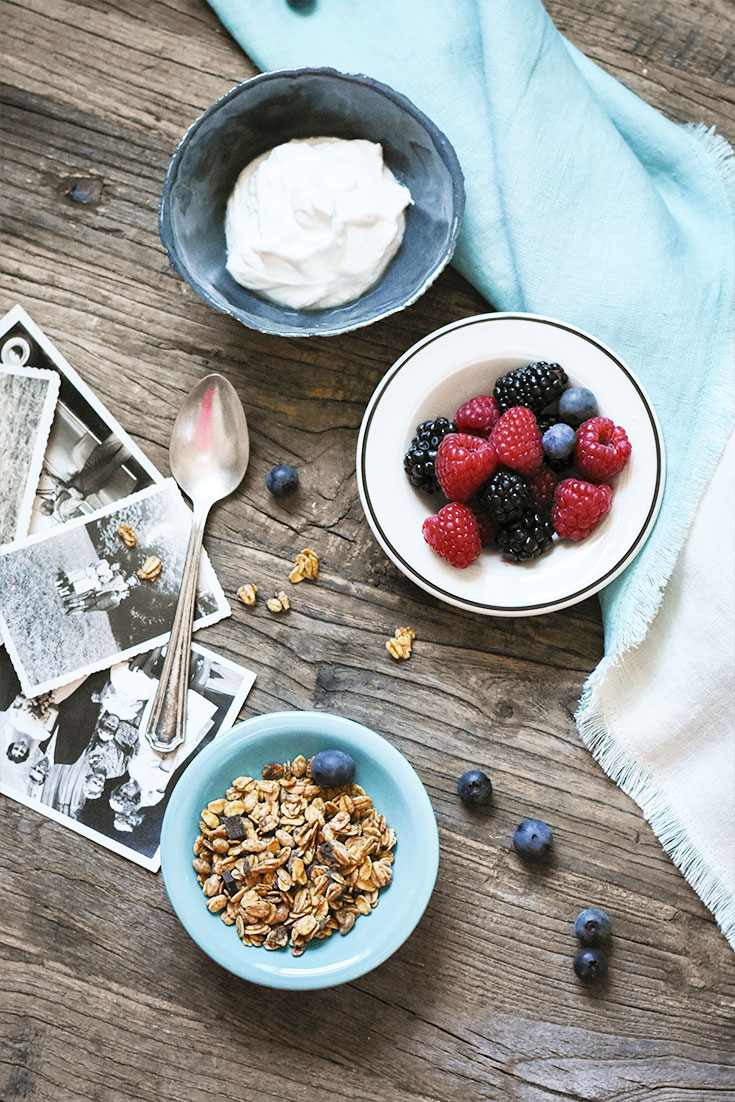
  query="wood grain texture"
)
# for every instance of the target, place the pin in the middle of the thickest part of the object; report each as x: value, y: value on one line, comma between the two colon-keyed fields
x: 104, y: 997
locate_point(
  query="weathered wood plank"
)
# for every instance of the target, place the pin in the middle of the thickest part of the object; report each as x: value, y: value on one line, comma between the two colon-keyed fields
x: 104, y: 996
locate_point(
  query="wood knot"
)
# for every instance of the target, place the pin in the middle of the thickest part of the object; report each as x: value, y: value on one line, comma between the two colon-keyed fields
x: 84, y: 191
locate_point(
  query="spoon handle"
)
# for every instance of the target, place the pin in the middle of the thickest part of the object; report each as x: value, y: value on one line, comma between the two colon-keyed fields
x: 166, y: 728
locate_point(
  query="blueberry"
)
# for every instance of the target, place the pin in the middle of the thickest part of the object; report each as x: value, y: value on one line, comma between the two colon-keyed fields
x: 590, y: 965
x: 577, y: 404
x: 332, y: 768
x: 592, y: 926
x: 474, y: 788
x: 532, y: 838
x: 558, y: 441
x: 282, y: 479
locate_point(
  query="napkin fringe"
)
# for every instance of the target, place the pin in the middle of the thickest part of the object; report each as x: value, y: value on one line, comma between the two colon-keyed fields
x: 625, y: 771
x: 719, y: 149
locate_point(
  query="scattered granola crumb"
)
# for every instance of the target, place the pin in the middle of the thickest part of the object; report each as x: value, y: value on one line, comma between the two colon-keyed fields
x: 400, y: 645
x: 286, y: 861
x: 127, y: 535
x: 306, y: 566
x: 278, y: 603
x: 246, y: 593
x: 150, y: 569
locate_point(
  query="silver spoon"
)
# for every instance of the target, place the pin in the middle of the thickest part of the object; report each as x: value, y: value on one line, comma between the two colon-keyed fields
x: 209, y: 454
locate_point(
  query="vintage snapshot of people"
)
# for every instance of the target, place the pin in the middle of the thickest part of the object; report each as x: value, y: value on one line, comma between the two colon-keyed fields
x: 78, y: 754
x: 102, y: 589
x: 89, y: 461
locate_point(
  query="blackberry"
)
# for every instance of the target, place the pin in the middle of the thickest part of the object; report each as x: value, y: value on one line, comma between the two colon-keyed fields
x: 535, y: 386
x: 505, y: 496
x: 526, y: 538
x: 420, y: 458
x: 546, y: 420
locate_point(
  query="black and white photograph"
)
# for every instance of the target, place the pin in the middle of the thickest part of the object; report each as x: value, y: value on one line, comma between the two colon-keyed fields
x: 78, y: 598
x: 78, y: 754
x: 27, y: 402
x: 89, y: 461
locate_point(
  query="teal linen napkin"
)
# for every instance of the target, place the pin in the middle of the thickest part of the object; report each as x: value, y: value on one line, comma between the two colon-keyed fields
x: 583, y: 203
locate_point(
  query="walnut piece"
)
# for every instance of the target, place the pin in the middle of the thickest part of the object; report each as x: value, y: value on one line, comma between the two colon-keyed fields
x: 306, y: 566
x: 150, y: 569
x: 127, y: 535
x: 246, y: 593
x: 400, y: 645
x: 278, y: 603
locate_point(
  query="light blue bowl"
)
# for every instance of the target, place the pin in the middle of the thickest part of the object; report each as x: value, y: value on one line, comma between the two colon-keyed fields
x: 397, y: 792
x: 303, y: 103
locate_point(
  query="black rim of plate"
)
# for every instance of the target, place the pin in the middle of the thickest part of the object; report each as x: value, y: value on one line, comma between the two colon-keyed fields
x: 563, y: 599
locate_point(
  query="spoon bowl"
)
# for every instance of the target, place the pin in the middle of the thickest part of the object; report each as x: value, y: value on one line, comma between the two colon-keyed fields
x: 210, y: 445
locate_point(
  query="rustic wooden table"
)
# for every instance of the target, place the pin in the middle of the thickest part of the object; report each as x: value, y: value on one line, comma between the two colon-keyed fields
x: 104, y: 996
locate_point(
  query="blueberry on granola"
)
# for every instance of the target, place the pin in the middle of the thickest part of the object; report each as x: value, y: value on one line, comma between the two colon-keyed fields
x: 332, y: 768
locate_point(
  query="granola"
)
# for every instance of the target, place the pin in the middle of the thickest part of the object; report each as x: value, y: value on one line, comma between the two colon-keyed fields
x: 127, y: 535
x: 247, y: 593
x: 279, y: 602
x: 150, y: 569
x: 305, y: 566
x: 287, y: 862
x: 400, y: 645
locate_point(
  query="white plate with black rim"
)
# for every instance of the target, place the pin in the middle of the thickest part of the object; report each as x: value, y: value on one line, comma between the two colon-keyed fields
x: 447, y: 368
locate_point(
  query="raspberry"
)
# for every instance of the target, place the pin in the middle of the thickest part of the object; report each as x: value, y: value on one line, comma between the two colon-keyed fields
x: 544, y: 486
x: 477, y: 416
x: 462, y: 463
x: 517, y: 440
x: 602, y: 448
x: 536, y: 386
x: 526, y: 538
x: 454, y: 534
x: 579, y: 507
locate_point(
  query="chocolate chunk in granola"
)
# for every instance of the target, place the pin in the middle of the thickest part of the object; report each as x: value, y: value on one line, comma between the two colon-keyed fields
x: 229, y: 883
x: 235, y: 827
x: 326, y: 856
x: 272, y: 771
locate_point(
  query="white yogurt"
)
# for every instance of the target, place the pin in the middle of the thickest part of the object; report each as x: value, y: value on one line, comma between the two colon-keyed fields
x: 315, y: 222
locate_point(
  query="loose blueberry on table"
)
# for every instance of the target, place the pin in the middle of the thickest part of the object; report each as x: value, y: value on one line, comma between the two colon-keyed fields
x: 533, y: 838
x: 496, y: 463
x: 474, y: 788
x: 282, y: 479
x: 590, y: 965
x: 592, y: 926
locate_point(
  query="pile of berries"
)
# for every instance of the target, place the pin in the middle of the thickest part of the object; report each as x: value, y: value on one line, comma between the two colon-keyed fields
x: 531, y: 461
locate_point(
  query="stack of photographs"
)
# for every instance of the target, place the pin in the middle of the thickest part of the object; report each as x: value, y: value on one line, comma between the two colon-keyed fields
x: 84, y: 628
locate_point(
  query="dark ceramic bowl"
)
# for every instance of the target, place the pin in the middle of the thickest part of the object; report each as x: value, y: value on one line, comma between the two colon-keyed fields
x: 301, y: 103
